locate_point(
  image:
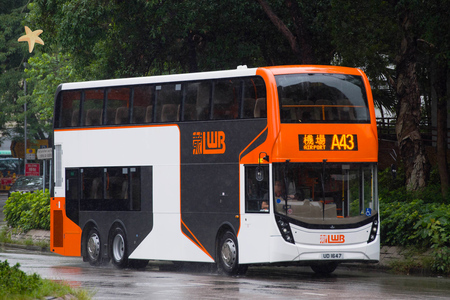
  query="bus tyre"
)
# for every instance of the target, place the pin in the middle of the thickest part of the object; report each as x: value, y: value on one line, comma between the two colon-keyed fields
x: 324, y: 269
x: 118, y: 248
x: 94, y: 248
x: 228, y: 260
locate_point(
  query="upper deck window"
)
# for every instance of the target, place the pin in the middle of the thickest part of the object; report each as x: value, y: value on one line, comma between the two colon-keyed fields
x: 322, y: 98
x: 184, y: 101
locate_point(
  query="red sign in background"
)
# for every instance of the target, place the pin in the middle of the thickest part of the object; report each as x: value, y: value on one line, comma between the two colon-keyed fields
x: 32, y: 170
x: 6, y: 181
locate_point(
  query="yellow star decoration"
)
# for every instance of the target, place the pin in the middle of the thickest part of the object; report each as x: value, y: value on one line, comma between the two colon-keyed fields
x: 31, y: 37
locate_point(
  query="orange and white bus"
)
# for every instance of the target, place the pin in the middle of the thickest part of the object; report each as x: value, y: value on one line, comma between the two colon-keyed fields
x: 268, y: 165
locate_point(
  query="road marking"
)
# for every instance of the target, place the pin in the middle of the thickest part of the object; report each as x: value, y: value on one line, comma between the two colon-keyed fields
x: 315, y: 294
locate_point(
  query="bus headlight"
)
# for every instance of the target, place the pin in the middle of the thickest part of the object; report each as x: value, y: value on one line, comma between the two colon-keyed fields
x: 373, y: 231
x: 285, y: 230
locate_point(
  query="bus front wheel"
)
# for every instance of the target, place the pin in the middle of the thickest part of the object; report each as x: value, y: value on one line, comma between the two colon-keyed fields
x: 228, y: 260
x: 94, y: 247
x: 324, y: 269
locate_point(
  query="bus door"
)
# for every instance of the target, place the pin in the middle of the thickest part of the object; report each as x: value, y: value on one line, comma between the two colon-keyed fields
x: 255, y: 231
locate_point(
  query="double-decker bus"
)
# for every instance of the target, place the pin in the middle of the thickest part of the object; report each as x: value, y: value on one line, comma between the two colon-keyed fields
x: 273, y: 165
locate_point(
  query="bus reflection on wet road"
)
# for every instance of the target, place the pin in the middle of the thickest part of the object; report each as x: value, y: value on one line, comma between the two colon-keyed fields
x: 165, y: 281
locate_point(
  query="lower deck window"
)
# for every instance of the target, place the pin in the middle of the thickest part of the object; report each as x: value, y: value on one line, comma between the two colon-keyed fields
x: 105, y: 188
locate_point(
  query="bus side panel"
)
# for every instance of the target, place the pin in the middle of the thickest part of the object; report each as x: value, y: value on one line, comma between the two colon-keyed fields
x: 211, y: 194
x: 210, y: 177
x: 166, y: 240
x: 153, y: 231
x: 65, y: 235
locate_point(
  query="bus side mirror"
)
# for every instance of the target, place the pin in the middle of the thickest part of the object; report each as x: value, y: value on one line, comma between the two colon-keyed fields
x: 259, y: 174
x: 259, y: 170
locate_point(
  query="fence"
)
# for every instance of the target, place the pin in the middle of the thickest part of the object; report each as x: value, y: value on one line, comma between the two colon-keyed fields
x: 386, y: 130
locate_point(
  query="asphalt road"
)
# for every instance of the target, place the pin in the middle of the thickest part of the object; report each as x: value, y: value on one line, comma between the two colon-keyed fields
x: 164, y: 281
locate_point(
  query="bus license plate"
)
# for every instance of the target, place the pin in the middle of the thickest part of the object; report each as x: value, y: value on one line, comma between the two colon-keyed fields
x: 332, y: 256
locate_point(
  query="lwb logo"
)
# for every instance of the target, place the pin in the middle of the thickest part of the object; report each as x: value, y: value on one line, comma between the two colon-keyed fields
x: 209, y: 142
x: 332, y: 238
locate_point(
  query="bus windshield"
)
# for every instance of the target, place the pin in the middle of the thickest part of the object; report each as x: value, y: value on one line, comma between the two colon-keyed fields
x: 322, y: 98
x: 325, y: 193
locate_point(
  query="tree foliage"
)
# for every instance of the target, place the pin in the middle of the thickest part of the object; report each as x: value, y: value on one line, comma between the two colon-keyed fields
x: 135, y: 38
x: 390, y: 40
x: 394, y: 41
x: 12, y: 56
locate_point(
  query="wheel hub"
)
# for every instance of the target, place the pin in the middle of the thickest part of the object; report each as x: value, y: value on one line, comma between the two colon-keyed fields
x: 118, y: 247
x: 229, y: 253
x: 93, y: 246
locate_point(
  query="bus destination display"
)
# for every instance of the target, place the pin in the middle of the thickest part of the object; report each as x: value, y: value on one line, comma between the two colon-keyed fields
x: 328, y: 142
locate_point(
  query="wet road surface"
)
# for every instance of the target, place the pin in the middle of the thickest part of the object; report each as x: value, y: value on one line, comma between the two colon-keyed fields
x: 164, y: 281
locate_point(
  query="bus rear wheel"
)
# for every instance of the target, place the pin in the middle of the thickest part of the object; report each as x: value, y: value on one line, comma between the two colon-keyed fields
x: 228, y: 259
x: 118, y: 251
x: 94, y: 248
x: 118, y: 248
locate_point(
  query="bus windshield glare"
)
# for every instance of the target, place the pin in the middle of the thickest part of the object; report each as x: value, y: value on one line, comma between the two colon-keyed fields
x: 322, y: 98
x: 325, y: 193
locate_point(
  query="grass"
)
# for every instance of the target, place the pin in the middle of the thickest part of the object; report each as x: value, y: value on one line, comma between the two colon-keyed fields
x: 15, y: 284
x: 6, y: 237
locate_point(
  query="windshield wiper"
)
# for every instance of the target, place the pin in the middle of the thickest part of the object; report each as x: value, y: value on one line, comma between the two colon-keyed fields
x: 322, y: 179
x: 286, y: 185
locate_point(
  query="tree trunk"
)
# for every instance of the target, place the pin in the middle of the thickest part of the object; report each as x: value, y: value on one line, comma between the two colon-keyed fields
x: 440, y: 86
x: 408, y: 111
x: 192, y: 53
x: 301, y: 42
x: 303, y: 36
x: 280, y: 26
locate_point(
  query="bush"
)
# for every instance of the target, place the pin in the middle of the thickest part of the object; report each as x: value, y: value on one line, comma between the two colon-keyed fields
x: 415, y: 223
x: 434, y: 227
x: 398, y: 220
x: 441, y: 261
x: 15, y: 284
x: 13, y: 281
x: 28, y: 210
x: 420, y: 219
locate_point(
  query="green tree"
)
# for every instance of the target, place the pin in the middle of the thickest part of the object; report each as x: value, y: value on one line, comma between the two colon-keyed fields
x: 12, y: 57
x: 436, y: 44
x: 377, y: 35
x: 43, y: 73
x: 109, y: 39
x: 407, y: 89
x: 305, y: 26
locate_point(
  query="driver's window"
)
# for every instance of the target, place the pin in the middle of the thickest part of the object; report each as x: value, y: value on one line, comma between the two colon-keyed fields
x: 257, y: 189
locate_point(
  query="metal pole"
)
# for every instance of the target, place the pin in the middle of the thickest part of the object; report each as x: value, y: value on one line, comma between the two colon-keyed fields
x: 44, y: 163
x: 25, y: 123
x: 50, y: 171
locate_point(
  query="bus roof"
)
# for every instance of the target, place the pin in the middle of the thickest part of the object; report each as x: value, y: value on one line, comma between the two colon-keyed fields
x: 279, y: 70
x: 240, y: 71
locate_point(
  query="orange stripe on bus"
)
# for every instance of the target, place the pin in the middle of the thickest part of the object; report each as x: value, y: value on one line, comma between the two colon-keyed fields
x: 114, y: 127
x: 196, y: 242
